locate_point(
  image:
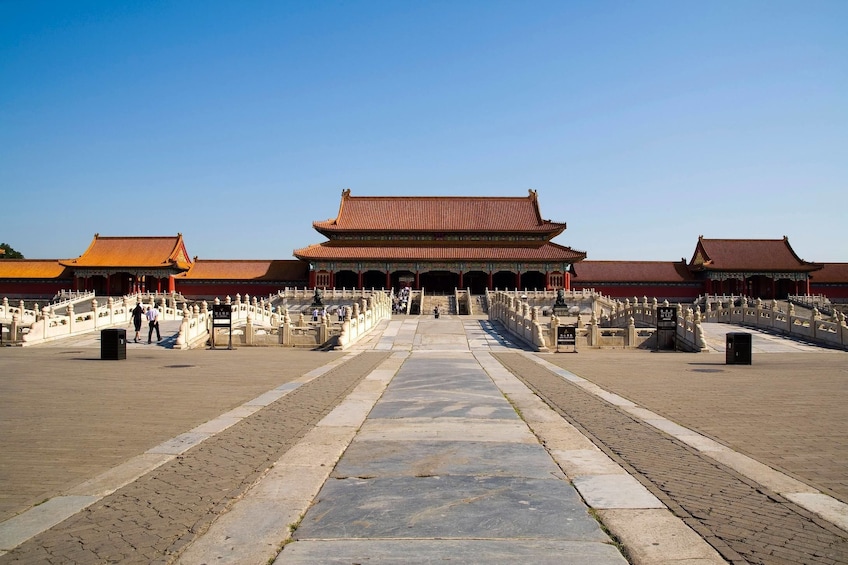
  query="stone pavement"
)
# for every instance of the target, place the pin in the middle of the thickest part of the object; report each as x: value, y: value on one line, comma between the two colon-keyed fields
x: 411, y: 449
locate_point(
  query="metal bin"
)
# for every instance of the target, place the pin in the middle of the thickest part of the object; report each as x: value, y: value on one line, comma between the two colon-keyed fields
x: 113, y: 344
x: 738, y: 348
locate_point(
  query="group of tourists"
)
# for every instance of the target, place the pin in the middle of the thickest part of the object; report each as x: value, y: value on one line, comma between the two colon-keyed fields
x: 400, y: 302
x: 152, y: 315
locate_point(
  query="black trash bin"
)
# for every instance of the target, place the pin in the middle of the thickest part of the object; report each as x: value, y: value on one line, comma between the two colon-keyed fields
x: 738, y: 348
x: 113, y: 344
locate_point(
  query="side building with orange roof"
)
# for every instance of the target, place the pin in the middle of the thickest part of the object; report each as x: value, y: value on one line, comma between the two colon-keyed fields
x: 765, y: 268
x: 124, y: 265
x: 34, y: 278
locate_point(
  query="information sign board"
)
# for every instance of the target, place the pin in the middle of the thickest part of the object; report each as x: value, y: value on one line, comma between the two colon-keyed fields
x: 566, y: 335
x: 666, y: 317
x: 222, y: 318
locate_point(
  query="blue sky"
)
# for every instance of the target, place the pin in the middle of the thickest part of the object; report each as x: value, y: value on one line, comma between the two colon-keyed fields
x: 642, y: 125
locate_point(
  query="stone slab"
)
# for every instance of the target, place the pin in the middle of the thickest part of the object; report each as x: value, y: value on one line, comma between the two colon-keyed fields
x: 615, y: 491
x: 455, y: 406
x: 20, y: 528
x: 441, y: 458
x: 450, y: 508
x: 584, y: 462
x: 832, y: 510
x: 447, y: 429
x: 267, y: 398
x: 252, y: 532
x: 116, y: 477
x: 490, y: 552
x: 659, y: 537
x: 763, y: 474
x: 179, y: 444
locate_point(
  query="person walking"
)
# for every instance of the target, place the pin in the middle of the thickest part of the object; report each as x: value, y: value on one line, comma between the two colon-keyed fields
x: 137, y: 314
x: 153, y: 321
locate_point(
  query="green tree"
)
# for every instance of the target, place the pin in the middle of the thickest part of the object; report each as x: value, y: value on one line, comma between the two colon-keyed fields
x: 9, y: 253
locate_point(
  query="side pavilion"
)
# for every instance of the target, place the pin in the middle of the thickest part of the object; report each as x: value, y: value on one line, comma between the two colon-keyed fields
x: 439, y: 243
x: 125, y: 265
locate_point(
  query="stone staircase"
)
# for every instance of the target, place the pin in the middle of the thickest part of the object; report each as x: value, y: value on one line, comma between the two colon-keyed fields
x: 446, y: 304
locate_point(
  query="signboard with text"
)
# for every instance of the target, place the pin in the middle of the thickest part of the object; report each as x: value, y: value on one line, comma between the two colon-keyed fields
x: 566, y: 335
x: 222, y: 317
x: 666, y: 317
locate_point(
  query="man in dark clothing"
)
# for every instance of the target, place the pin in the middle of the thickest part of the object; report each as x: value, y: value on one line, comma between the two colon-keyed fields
x: 137, y: 314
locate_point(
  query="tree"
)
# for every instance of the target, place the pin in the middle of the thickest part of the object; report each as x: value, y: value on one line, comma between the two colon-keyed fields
x: 9, y: 253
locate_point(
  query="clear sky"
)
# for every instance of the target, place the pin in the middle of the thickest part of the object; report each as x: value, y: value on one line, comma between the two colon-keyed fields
x: 641, y: 124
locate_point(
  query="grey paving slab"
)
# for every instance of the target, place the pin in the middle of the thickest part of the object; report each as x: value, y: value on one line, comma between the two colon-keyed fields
x: 450, y: 507
x: 491, y: 552
x: 441, y: 458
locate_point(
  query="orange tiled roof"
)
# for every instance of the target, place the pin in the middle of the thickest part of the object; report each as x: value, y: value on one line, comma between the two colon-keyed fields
x: 271, y: 270
x: 833, y: 273
x: 32, y: 269
x: 547, y: 252
x: 632, y: 271
x: 139, y: 252
x: 439, y: 214
x: 748, y: 255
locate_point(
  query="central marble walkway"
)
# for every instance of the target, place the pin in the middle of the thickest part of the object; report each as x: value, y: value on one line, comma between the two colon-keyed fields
x: 443, y: 468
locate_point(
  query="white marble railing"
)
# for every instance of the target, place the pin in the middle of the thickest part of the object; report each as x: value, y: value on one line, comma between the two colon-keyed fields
x: 522, y: 320
x: 767, y: 316
x: 54, y: 324
x: 364, y: 317
x: 331, y: 294
x: 258, y: 323
x: 518, y: 317
x: 17, y: 313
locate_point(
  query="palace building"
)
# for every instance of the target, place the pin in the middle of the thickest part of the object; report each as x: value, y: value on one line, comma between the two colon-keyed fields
x: 439, y: 243
x: 431, y: 243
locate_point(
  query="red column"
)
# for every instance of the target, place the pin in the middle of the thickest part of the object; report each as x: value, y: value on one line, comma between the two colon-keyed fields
x: 518, y: 281
x: 159, y: 285
x: 312, y: 277
x: 388, y: 280
x: 108, y: 285
x: 359, y: 279
x: 490, y: 284
x: 567, y: 280
x: 332, y: 279
x: 460, y: 280
x: 808, y: 285
x: 172, y: 283
x: 547, y: 280
x: 417, y: 280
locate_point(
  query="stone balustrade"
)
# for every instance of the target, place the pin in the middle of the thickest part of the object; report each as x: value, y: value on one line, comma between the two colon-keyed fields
x: 330, y: 294
x: 519, y: 318
x: 59, y: 323
x: 766, y: 315
x: 256, y: 323
x: 616, y: 329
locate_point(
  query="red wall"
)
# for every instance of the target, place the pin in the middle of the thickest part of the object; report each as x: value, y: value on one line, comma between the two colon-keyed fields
x: 659, y: 291
x: 37, y: 289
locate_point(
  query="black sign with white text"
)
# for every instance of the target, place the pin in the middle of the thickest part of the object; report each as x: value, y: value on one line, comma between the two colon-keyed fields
x: 666, y: 317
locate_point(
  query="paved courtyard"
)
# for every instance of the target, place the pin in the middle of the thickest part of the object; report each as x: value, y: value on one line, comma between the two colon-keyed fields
x: 167, y: 453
